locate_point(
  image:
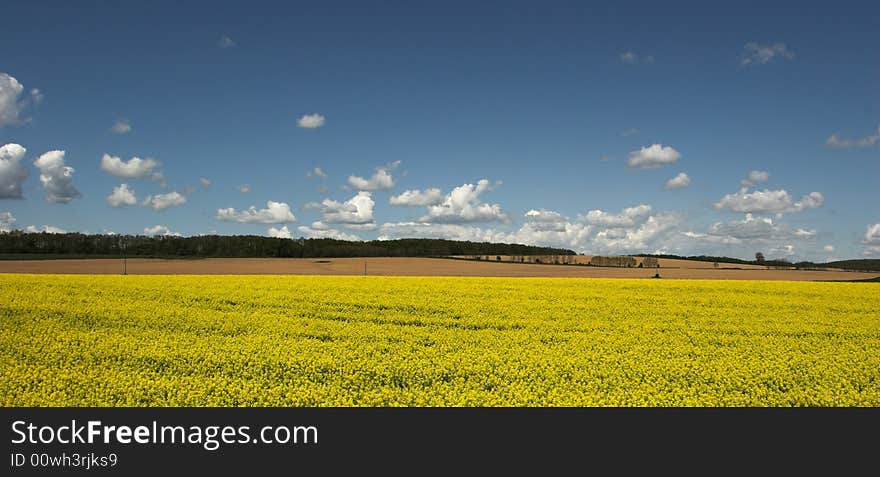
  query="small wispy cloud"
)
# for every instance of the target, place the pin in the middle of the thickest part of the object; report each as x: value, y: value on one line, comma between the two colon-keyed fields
x: 758, y: 54
x: 311, y: 121
x: 121, y: 126
x: 226, y: 42
x: 754, y: 178
x: 317, y: 172
x: 632, y: 58
x: 837, y: 142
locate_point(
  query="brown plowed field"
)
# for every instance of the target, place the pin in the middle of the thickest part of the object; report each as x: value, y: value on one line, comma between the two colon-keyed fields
x: 412, y: 267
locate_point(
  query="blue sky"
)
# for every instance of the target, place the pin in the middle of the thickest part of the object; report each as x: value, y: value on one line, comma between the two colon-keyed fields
x: 556, y: 123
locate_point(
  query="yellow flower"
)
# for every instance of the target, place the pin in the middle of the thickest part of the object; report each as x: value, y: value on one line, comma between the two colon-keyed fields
x: 70, y: 340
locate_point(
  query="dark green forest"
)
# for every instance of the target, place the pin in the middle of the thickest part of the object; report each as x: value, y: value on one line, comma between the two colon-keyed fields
x: 44, y: 245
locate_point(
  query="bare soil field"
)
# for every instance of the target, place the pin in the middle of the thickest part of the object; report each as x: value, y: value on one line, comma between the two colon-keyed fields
x: 412, y: 267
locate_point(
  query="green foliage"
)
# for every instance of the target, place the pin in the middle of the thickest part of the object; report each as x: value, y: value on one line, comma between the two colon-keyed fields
x: 45, y: 245
x: 864, y: 264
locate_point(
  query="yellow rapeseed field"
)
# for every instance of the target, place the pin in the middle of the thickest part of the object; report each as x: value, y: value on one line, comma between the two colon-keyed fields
x: 383, y: 341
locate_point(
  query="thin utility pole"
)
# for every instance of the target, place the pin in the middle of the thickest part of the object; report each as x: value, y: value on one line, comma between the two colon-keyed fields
x: 124, y: 261
x: 365, y: 268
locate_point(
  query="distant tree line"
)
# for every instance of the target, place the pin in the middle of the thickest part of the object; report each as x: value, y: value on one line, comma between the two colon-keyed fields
x: 75, y: 244
x: 712, y: 258
x: 864, y: 264
x: 613, y: 261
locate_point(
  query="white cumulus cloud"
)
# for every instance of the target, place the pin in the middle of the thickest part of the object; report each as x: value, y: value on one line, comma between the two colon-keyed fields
x: 163, y: 201
x: 392, y: 230
x: 356, y: 212
x: 768, y: 201
x: 6, y: 221
x: 160, y: 230
x: 418, y: 198
x: 655, y: 155
x: 134, y: 168
x: 752, y: 231
x: 46, y: 229
x: 274, y: 213
x: 380, y: 180
x: 678, y: 182
x: 546, y: 220
x: 631, y: 230
x: 629, y: 217
x: 311, y: 121
x: 462, y: 205
x: 634, y: 229
x: 872, y: 235
x: 283, y: 232
x: 12, y: 101
x: 122, y: 196
x: 750, y: 227
x: 12, y: 172
x: 322, y: 231
x: 547, y: 227
x: 872, y: 240
x: 649, y: 232
x: 56, y: 177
